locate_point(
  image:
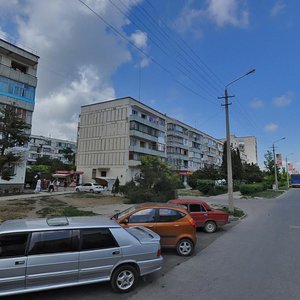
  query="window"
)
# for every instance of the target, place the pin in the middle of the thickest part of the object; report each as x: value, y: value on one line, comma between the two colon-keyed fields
x: 143, y: 216
x: 143, y: 116
x: 169, y: 215
x: 12, y: 245
x: 18, y: 67
x: 197, y: 208
x: 103, y: 173
x: 97, y: 238
x: 94, y: 173
x: 87, y: 184
x: 53, y: 242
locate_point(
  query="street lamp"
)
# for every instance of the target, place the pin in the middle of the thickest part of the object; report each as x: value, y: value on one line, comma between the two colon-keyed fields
x: 287, y: 170
x: 228, y: 148
x: 275, y: 165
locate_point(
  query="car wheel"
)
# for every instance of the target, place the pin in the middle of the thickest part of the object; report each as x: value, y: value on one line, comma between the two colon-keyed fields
x: 91, y: 190
x: 210, y: 227
x: 124, y: 279
x: 185, y: 247
x: 77, y: 190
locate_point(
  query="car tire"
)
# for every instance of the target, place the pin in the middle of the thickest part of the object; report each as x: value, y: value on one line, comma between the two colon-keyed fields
x: 124, y: 279
x: 91, y: 190
x: 210, y: 227
x: 185, y: 247
x: 77, y: 190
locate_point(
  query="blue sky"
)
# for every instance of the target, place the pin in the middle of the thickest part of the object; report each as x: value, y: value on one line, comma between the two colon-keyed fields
x: 188, y: 51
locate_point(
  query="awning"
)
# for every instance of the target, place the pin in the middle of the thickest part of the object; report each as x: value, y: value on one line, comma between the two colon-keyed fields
x: 60, y: 175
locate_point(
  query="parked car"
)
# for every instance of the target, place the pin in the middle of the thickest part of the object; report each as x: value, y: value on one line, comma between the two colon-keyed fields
x: 172, y: 222
x: 42, y: 254
x: 90, y: 187
x: 204, y: 216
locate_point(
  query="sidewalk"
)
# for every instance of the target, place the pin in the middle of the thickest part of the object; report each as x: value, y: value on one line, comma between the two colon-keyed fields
x: 37, y: 195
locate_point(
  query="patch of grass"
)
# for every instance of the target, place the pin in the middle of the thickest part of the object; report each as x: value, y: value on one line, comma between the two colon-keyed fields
x: 22, y: 202
x: 184, y: 192
x: 67, y: 211
x: 84, y: 195
x: 52, y: 201
x: 266, y: 194
x: 237, y: 212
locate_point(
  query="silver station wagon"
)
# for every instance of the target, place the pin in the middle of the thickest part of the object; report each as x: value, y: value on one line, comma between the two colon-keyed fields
x: 41, y: 254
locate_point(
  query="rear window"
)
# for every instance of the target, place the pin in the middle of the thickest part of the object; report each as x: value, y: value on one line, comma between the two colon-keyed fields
x: 97, y: 238
x: 12, y: 245
x: 196, y: 208
x: 169, y: 215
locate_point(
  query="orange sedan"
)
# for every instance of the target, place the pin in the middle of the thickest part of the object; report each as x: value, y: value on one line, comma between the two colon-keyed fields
x: 173, y: 223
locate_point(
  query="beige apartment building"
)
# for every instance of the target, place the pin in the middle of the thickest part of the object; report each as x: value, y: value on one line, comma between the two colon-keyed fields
x: 113, y: 135
x: 247, y: 146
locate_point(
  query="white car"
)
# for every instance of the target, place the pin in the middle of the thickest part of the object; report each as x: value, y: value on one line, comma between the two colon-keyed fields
x: 90, y: 187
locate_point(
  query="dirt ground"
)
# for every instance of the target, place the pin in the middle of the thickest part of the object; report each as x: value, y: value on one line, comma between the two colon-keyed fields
x: 76, y: 204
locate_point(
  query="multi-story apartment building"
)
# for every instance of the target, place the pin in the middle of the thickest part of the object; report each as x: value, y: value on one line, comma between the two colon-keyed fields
x: 41, y: 146
x: 113, y: 135
x: 189, y: 149
x: 247, y: 146
x: 18, y: 81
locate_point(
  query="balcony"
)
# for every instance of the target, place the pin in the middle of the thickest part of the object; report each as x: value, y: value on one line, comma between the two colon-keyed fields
x: 147, y: 151
x: 147, y: 122
x: 177, y: 133
x: 17, y: 75
x: 177, y: 145
x: 143, y: 135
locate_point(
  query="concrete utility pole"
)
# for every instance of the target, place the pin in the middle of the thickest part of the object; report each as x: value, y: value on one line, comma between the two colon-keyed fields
x: 228, y: 146
x: 287, y: 170
x: 275, y: 165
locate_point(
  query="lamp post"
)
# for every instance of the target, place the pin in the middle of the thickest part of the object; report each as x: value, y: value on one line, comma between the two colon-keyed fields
x: 275, y: 165
x: 228, y: 148
x: 287, y: 170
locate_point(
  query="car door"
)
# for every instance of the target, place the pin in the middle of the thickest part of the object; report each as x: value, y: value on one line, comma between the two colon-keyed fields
x: 85, y: 187
x: 99, y: 252
x: 144, y: 217
x: 167, y: 227
x: 52, y: 258
x: 198, y: 213
x: 13, y: 262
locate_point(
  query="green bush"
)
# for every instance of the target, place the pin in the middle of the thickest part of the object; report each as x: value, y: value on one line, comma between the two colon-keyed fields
x: 205, y: 186
x: 248, y: 189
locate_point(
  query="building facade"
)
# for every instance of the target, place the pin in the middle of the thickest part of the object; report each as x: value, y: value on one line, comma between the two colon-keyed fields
x: 18, y: 81
x: 247, y: 146
x: 114, y: 135
x: 41, y: 146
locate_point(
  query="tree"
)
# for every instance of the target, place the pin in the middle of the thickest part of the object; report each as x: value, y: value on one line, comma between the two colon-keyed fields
x: 237, y: 166
x: 13, y: 133
x: 208, y: 172
x: 269, y: 163
x: 69, y: 155
x: 115, y: 188
x: 252, y: 173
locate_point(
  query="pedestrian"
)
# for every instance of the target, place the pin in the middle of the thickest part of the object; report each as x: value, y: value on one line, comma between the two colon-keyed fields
x: 65, y: 185
x: 57, y: 183
x: 38, y: 186
x: 51, y: 186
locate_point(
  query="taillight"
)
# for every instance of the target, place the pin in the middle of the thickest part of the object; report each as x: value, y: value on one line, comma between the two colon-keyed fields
x: 192, y: 222
x: 158, y: 254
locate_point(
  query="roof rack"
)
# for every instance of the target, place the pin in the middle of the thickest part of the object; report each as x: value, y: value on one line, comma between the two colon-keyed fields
x: 57, y: 221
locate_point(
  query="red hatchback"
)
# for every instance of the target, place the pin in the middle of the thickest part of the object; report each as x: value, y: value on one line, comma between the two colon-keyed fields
x: 204, y: 216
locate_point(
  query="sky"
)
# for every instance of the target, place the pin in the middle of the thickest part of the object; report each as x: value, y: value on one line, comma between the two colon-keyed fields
x: 173, y: 55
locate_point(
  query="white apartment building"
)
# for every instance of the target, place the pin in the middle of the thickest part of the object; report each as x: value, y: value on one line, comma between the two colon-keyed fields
x: 247, y: 146
x: 113, y: 135
x: 18, y: 81
x: 41, y: 146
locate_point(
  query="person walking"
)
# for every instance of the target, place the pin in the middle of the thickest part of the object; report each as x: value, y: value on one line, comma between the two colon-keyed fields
x: 38, y: 186
x: 57, y: 183
x: 65, y: 185
x: 51, y: 186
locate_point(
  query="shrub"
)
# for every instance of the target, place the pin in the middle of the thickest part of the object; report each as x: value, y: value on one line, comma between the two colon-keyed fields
x: 205, y: 186
x: 247, y: 189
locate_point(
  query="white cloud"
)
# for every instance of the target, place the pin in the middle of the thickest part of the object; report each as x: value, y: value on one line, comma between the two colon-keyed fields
x: 219, y: 12
x: 78, y: 56
x: 283, y: 100
x: 272, y: 127
x: 277, y: 8
x: 139, y: 39
x: 256, y: 104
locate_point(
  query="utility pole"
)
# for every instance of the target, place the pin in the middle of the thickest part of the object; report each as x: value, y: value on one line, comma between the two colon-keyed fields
x: 275, y: 168
x: 287, y: 173
x: 228, y: 155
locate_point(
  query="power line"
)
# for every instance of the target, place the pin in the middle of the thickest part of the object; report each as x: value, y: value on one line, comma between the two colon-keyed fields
x: 116, y: 31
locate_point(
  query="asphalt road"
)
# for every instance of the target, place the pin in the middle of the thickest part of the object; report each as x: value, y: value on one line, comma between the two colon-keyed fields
x: 258, y: 259
x: 103, y: 290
